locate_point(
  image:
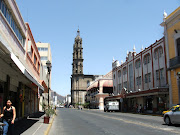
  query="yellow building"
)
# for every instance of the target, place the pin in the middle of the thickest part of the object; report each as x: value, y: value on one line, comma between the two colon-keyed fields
x: 171, y: 24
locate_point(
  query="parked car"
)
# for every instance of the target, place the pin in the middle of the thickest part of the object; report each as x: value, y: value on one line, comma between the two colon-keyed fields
x: 170, y: 109
x: 61, y: 106
x: 173, y: 116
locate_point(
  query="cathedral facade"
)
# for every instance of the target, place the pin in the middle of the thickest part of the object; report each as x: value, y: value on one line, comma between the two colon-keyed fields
x: 79, y: 81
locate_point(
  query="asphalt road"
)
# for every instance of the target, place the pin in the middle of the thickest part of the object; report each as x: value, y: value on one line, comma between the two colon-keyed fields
x: 93, y: 122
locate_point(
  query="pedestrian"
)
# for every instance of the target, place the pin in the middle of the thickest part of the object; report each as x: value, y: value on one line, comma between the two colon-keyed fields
x: 9, y: 115
x: 140, y: 108
x: 136, y: 108
x: 144, y: 108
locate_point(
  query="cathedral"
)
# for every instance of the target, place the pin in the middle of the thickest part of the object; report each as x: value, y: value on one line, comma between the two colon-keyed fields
x: 79, y: 81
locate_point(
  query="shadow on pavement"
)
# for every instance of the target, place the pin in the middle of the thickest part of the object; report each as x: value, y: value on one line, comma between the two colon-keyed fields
x: 172, y: 125
x: 25, y: 123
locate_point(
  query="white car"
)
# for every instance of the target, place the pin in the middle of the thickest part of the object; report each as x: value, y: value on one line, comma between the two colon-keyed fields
x: 61, y: 106
x: 172, y: 117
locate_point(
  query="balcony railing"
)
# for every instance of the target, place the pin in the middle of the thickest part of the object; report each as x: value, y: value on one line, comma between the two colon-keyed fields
x: 174, y: 62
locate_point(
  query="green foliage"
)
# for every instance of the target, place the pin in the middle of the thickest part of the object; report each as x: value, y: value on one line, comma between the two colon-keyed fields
x: 86, y: 105
x: 78, y: 104
x: 49, y: 111
x: 43, y: 106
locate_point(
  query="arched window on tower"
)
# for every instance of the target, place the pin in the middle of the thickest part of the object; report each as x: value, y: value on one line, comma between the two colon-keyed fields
x: 80, y: 68
x: 76, y: 68
x: 76, y: 53
x: 80, y: 54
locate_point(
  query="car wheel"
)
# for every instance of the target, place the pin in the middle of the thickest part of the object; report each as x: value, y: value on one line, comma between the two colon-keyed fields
x: 167, y: 120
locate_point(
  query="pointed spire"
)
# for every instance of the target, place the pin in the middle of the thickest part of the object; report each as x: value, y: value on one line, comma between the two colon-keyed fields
x: 121, y: 61
x: 142, y: 48
x: 165, y: 14
x: 134, y: 49
x: 78, y: 32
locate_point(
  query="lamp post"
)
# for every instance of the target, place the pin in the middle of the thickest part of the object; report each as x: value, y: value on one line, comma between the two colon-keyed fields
x: 48, y: 64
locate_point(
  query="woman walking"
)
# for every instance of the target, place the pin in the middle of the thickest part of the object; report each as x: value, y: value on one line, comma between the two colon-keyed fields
x: 9, y: 115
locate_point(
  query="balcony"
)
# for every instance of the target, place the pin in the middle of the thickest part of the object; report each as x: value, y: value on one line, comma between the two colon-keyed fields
x: 174, y: 62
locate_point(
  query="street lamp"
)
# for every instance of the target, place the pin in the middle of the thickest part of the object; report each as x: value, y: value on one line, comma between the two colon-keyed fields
x: 48, y: 64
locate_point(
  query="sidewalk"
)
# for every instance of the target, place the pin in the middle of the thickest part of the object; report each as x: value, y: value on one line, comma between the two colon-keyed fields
x: 32, y: 125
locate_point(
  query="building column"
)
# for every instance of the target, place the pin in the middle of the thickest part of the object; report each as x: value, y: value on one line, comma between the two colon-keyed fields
x: 23, y: 95
x: 6, y: 89
x: 19, y: 106
x: 101, y: 99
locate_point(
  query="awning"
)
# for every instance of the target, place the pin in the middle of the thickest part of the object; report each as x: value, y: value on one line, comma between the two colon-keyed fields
x: 111, y: 98
x: 108, y: 83
x: 44, y: 85
x: 157, y: 91
x: 5, y: 47
x: 93, y: 85
x: 25, y: 71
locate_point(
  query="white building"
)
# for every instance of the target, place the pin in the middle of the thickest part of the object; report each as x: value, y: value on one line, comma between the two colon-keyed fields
x: 45, y: 54
x: 142, y: 79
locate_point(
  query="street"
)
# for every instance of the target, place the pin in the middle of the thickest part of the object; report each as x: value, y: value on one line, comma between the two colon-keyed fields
x: 94, y: 122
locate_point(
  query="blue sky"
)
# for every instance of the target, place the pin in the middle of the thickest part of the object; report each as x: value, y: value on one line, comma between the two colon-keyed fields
x: 108, y: 27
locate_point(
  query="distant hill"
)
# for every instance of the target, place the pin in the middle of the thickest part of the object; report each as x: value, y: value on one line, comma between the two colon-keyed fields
x: 59, y: 97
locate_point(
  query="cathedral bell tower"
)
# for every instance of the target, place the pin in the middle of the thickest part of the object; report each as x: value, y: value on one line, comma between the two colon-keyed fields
x: 77, y: 55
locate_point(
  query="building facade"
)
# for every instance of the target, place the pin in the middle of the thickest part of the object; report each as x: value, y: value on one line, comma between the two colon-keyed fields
x: 79, y: 81
x: 142, y: 80
x: 45, y: 55
x: 171, y: 24
x: 19, y: 74
x: 98, y: 90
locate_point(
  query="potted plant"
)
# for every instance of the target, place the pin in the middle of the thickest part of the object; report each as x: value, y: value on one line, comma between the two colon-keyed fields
x: 49, y: 111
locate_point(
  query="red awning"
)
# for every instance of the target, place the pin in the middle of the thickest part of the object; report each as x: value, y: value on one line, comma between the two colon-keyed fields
x: 108, y: 83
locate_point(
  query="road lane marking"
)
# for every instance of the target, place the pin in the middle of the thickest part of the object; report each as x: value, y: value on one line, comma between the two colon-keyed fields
x: 136, y: 123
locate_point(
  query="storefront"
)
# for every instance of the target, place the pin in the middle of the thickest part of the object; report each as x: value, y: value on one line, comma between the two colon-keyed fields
x: 150, y: 101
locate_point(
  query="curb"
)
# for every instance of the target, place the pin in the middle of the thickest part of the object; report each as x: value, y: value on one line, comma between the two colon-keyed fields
x: 49, y: 127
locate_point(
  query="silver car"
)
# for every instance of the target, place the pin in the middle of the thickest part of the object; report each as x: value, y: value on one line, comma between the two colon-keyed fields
x: 172, y: 117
